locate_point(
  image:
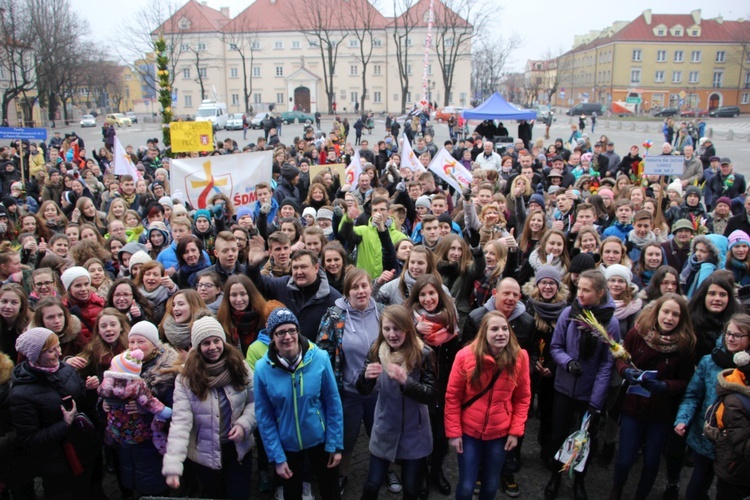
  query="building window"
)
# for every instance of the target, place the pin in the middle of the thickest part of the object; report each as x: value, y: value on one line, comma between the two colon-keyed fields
x: 661, y: 55
x: 676, y: 76
x: 279, y: 98
x: 201, y: 46
x: 257, y: 99
x: 429, y: 69
x: 693, y: 77
x: 343, y: 95
x: 377, y: 69
x: 408, y: 97
x: 395, y: 97
x: 721, y: 56
x: 233, y: 46
x: 354, y: 97
x: 678, y: 56
x: 659, y: 77
x: 448, y: 42
x: 377, y: 42
x: 694, y: 33
x: 377, y: 97
x: 635, y: 76
x: 203, y: 72
x: 747, y: 79
x: 718, y: 79
x: 295, y: 44
x: 313, y: 44
x: 353, y: 43
x: 233, y: 73
x: 184, y: 47
x: 186, y: 73
x: 235, y: 99
x: 278, y: 45
x: 255, y: 45
x: 256, y: 71
x: 695, y: 56
x: 279, y: 70
x: 353, y: 70
x: 637, y: 54
x: 745, y: 98
x: 188, y: 101
x: 408, y: 70
x: 677, y: 32
x: 127, y: 77
x: 661, y: 32
x: 408, y: 42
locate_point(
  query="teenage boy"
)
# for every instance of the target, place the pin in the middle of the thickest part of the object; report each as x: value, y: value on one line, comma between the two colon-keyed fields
x: 641, y: 235
x: 622, y: 226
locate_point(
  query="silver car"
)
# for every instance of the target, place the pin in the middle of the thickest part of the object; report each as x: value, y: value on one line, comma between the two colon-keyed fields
x: 88, y: 121
x: 234, y: 122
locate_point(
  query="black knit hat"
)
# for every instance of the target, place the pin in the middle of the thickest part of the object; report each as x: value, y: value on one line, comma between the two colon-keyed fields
x: 582, y: 262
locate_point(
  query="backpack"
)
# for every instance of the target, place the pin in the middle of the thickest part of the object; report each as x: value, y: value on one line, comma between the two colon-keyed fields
x: 713, y: 428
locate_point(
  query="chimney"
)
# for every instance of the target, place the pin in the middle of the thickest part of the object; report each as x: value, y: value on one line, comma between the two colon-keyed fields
x: 204, y: 3
x: 696, y: 16
x: 647, y: 16
x: 224, y: 11
x: 719, y: 20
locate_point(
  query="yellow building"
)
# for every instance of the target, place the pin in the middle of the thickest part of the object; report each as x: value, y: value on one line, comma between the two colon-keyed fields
x: 660, y: 60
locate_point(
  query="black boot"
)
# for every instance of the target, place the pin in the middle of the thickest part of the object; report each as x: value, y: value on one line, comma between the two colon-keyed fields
x: 438, y: 480
x: 579, y: 488
x: 608, y: 453
x: 553, y: 486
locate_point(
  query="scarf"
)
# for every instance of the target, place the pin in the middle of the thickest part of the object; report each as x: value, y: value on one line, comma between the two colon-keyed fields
x: 158, y: 296
x: 46, y: 369
x: 692, y: 266
x: 408, y: 283
x: 218, y: 374
x: 740, y: 271
x: 178, y: 334
x: 588, y: 343
x: 723, y: 358
x: 245, y: 326
x: 389, y: 357
x: 660, y: 343
x: 439, y: 333
x: 641, y: 242
x: 128, y: 199
x: 624, y: 311
x: 482, y: 290
x: 192, y: 271
x: 548, y: 311
x: 646, y: 277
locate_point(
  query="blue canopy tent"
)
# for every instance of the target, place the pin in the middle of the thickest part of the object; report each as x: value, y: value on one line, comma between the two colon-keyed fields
x: 497, y: 108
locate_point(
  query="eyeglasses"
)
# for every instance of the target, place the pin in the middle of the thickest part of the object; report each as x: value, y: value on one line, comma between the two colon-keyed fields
x: 280, y: 334
x: 546, y: 284
x: 123, y: 295
x: 204, y: 285
x: 735, y: 336
x: 44, y: 284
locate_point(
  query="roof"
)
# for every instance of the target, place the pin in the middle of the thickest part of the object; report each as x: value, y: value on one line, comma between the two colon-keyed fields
x: 418, y: 14
x: 194, y: 17
x: 273, y: 15
x: 639, y: 30
x: 497, y: 108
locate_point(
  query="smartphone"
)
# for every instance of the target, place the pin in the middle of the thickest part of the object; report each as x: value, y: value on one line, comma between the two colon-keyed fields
x: 67, y: 403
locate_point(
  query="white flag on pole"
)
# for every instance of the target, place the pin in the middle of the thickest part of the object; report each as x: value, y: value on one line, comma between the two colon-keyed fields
x: 408, y: 158
x: 353, y: 171
x: 123, y: 163
x: 447, y: 168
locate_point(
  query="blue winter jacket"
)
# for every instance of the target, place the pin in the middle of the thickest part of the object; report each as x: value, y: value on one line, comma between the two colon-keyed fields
x: 168, y: 256
x: 618, y: 229
x: 592, y: 385
x: 298, y: 410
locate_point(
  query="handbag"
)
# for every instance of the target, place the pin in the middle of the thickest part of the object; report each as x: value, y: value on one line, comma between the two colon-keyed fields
x: 476, y: 397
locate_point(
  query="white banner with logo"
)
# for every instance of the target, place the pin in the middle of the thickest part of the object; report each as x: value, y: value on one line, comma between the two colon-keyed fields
x: 447, y: 168
x: 409, y: 158
x: 233, y: 175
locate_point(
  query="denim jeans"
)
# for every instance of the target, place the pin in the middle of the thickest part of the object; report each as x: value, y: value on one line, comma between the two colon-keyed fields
x: 232, y: 481
x: 634, y: 434
x: 411, y: 477
x: 703, y: 476
x: 357, y: 409
x: 490, y: 455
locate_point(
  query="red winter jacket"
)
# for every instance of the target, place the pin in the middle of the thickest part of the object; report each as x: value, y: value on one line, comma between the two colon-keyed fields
x: 501, y: 411
x: 87, y: 312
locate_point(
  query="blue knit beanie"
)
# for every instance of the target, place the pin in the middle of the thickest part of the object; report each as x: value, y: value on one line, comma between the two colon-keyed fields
x: 280, y: 316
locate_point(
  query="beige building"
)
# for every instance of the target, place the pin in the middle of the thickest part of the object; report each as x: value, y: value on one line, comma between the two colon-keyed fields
x: 540, y: 81
x: 284, y: 65
x: 660, y: 60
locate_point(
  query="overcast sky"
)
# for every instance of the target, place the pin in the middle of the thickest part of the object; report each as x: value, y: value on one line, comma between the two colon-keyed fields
x: 544, y: 24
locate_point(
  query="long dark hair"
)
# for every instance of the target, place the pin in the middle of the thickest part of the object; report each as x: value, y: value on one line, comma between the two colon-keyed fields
x: 144, y: 304
x: 653, y: 290
x: 706, y: 322
x: 196, y: 373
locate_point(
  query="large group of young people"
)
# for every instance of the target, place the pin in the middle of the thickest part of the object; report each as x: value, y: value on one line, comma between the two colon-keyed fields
x: 188, y: 349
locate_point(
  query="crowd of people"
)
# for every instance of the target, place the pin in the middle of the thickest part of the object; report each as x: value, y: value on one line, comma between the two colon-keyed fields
x: 188, y: 349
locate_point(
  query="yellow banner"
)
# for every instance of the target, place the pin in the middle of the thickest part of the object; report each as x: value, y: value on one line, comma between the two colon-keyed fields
x: 191, y: 136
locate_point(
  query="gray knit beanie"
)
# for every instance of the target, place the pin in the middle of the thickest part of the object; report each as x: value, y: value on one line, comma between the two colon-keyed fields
x: 204, y: 328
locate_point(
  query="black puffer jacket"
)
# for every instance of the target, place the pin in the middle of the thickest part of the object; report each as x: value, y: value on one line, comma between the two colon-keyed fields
x: 35, y: 401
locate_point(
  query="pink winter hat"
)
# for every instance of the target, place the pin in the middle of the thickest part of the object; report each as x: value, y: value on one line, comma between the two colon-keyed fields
x: 126, y: 365
x: 738, y: 237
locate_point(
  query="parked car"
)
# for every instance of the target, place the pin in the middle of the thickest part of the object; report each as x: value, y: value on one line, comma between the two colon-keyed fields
x: 667, y: 112
x: 586, y: 108
x: 118, y: 119
x: 257, y: 121
x: 234, y: 122
x: 724, y: 111
x: 542, y: 111
x: 291, y: 116
x: 694, y: 113
x: 133, y: 117
x: 443, y: 114
x: 88, y: 121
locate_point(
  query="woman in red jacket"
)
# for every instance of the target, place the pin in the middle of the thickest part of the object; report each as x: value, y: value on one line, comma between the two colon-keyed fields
x: 486, y: 404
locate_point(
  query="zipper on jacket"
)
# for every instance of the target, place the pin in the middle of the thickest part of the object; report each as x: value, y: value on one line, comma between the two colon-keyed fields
x: 489, y: 409
x: 320, y: 417
x: 296, y: 412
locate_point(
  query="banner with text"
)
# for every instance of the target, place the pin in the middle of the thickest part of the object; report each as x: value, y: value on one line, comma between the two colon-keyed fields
x: 663, y: 165
x: 191, y: 136
x: 447, y: 168
x: 233, y: 175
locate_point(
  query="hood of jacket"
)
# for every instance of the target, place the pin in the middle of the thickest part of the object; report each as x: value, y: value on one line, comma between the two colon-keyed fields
x: 517, y: 311
x: 732, y: 380
x: 721, y: 243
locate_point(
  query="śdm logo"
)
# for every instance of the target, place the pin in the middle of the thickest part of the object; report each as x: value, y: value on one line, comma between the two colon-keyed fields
x: 209, y: 185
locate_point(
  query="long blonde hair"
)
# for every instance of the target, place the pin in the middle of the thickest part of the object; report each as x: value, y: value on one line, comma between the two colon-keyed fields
x: 505, y: 359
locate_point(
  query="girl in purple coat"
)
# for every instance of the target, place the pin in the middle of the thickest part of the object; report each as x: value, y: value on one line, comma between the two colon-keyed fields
x: 584, y: 366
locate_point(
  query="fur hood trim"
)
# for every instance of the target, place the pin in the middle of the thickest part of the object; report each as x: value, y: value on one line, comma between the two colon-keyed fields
x: 122, y: 376
x: 6, y: 368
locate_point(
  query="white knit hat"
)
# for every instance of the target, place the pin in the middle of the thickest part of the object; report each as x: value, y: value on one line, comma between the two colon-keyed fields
x: 139, y: 257
x: 310, y: 211
x: 206, y: 327
x: 675, y: 186
x: 146, y: 330
x: 618, y: 270
x: 72, y: 274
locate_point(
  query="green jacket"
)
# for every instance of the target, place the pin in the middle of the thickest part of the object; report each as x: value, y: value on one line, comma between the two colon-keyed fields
x: 369, y: 249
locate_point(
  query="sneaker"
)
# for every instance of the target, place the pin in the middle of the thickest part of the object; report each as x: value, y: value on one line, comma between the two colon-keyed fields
x: 307, y: 491
x: 672, y: 492
x: 510, y: 487
x: 265, y: 485
x: 342, y: 484
x: 279, y: 495
x: 394, y: 484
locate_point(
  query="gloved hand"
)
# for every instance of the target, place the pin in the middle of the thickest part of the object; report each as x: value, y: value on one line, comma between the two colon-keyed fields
x: 574, y: 368
x: 265, y: 208
x: 474, y: 238
x: 655, y: 386
x: 595, y: 417
x: 217, y: 211
x: 338, y: 211
x: 467, y: 194
x: 631, y: 375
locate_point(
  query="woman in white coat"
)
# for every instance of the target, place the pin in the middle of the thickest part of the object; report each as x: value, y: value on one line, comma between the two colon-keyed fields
x: 213, y: 416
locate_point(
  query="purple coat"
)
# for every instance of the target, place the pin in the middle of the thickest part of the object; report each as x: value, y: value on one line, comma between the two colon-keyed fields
x: 593, y: 384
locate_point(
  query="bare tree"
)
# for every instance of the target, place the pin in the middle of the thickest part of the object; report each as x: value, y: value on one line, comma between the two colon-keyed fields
x: 241, y: 38
x: 362, y: 17
x: 403, y: 25
x: 16, y: 54
x: 456, y: 24
x: 741, y: 54
x: 321, y: 25
x: 554, y: 73
x: 489, y: 60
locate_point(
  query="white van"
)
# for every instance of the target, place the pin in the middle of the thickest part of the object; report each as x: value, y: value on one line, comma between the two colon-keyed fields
x: 214, y: 112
